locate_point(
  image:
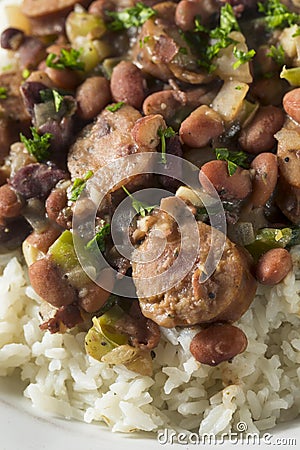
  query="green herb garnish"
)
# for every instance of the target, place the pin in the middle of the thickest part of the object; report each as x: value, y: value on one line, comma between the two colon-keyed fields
x: 198, y: 26
x: 277, y: 54
x: 165, y: 134
x: 115, y: 107
x: 140, y: 207
x: 39, y: 145
x: 297, y: 32
x: 68, y: 59
x: 99, y: 238
x: 277, y: 15
x: 52, y: 94
x: 3, y: 93
x: 233, y: 159
x: 25, y: 74
x: 78, y: 186
x: 130, y: 17
x: 242, y: 57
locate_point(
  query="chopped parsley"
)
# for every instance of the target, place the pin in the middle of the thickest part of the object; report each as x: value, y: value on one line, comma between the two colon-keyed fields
x: 3, y: 93
x: 25, y: 74
x: 233, y: 159
x: 242, y: 57
x: 277, y: 54
x: 52, y: 94
x: 140, y: 207
x: 134, y: 16
x: 218, y: 39
x: 165, y: 134
x: 115, y: 107
x: 277, y: 15
x: 38, y: 146
x: 144, y: 41
x: 68, y: 59
x: 99, y: 237
x: 78, y: 186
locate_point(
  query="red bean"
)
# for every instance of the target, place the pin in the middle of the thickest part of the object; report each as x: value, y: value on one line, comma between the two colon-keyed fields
x: 127, y: 84
x: 10, y: 203
x: 92, y: 96
x: 202, y: 125
x: 258, y: 135
x: 48, y: 282
x: 291, y: 104
x: 236, y: 186
x: 218, y: 343
x: 186, y: 13
x: 93, y: 296
x: 265, y: 178
x: 273, y: 266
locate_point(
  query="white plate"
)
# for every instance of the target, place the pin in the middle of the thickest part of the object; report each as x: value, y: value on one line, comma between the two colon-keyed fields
x: 25, y: 428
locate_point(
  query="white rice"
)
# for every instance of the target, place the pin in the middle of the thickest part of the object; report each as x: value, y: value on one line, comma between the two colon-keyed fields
x: 261, y: 387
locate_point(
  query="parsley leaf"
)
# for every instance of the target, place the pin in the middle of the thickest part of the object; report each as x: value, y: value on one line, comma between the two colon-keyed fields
x: 165, y: 134
x: 38, y: 146
x: 140, y: 207
x: 52, y: 94
x: 78, y: 186
x: 115, y: 107
x: 242, y: 57
x: 277, y: 54
x: 68, y: 59
x: 99, y: 238
x: 130, y: 17
x: 198, y: 25
x: 228, y: 20
x: 3, y: 93
x: 234, y: 159
x: 277, y: 15
x: 218, y: 36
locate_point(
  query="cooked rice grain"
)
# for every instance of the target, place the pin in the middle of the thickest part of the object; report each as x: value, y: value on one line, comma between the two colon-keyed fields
x: 260, y: 387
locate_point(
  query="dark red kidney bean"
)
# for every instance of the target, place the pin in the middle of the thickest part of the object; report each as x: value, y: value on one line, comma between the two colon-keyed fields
x: 65, y: 79
x: 201, y: 126
x: 127, y: 84
x: 186, y: 12
x: 258, y: 135
x: 237, y: 186
x: 165, y: 103
x: 36, y: 180
x: 218, y: 343
x: 42, y: 241
x: 273, y: 266
x: 92, y: 96
x: 291, y: 104
x: 49, y: 283
x: 265, y: 178
x: 93, y: 296
x: 31, y: 94
x: 10, y: 204
x: 55, y: 203
x: 12, y: 38
x: 31, y: 52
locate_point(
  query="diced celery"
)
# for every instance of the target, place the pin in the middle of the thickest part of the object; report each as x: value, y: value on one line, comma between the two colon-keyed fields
x: 102, y: 337
x: 291, y: 75
x: 85, y: 25
x: 63, y: 252
x: 268, y: 238
x: 93, y: 53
